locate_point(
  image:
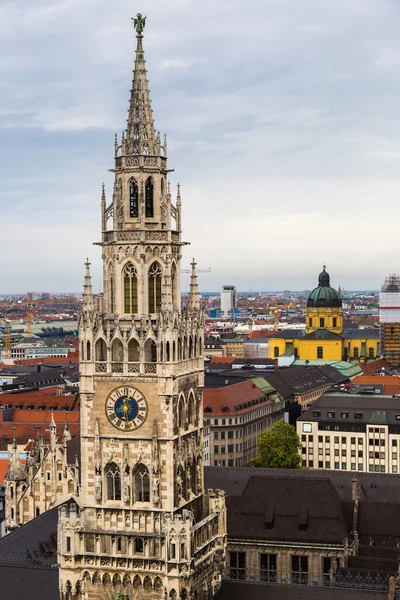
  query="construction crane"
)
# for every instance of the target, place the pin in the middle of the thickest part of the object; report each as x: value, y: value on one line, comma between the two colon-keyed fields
x: 7, y: 324
x: 28, y: 316
x: 276, y: 309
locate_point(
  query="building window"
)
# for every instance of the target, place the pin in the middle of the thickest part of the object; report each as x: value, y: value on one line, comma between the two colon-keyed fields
x: 154, y: 282
x: 268, y: 567
x: 358, y: 415
x: 276, y: 351
x: 134, y: 200
x: 142, y: 484
x: 139, y: 546
x: 334, y: 322
x: 130, y: 289
x: 215, y: 435
x: 149, y: 193
x: 331, y: 415
x: 371, y: 353
x: 238, y: 565
x: 310, y: 322
x: 326, y: 569
x: 300, y: 570
x: 113, y: 478
x: 320, y: 352
x: 68, y: 543
x: 355, y: 352
x: 322, y: 322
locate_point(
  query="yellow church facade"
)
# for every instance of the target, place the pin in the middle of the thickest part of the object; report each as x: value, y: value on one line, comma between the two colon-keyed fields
x: 325, y: 337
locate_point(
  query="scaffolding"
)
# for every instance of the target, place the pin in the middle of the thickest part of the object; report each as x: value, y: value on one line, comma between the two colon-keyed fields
x: 389, y: 319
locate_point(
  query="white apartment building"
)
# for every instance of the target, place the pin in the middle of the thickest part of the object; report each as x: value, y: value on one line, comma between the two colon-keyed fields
x: 228, y: 301
x: 350, y: 432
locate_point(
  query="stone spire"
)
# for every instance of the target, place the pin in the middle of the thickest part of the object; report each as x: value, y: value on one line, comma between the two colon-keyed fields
x: 166, y: 298
x: 103, y: 208
x: 14, y: 472
x: 140, y: 132
x: 67, y: 433
x: 178, y: 209
x: 53, y: 432
x: 194, y: 298
x: 88, y: 303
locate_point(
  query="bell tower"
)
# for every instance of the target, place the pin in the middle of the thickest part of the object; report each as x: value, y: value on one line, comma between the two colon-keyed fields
x: 144, y: 525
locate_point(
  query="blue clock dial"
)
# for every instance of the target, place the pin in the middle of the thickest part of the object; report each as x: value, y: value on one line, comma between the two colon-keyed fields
x: 126, y: 408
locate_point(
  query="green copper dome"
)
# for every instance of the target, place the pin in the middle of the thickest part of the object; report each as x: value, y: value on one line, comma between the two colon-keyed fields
x: 324, y: 296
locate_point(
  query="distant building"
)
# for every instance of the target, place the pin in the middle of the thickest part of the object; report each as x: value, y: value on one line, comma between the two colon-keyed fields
x: 389, y: 319
x: 234, y: 418
x: 228, y: 301
x: 351, y: 432
x: 233, y: 347
x: 325, y: 337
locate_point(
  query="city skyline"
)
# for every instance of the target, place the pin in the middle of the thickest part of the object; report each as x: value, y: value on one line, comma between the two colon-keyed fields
x: 281, y: 121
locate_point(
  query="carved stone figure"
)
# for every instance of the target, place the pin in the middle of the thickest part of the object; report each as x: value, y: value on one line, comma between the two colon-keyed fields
x: 127, y: 487
x: 98, y: 486
x: 139, y: 23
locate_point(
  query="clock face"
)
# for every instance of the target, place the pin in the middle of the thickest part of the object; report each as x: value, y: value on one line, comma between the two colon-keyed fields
x: 126, y: 408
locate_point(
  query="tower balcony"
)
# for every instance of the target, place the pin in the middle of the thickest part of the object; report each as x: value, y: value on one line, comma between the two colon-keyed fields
x: 140, y: 236
x: 149, y: 368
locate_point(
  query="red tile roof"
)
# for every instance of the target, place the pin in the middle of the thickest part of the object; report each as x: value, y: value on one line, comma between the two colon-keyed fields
x: 46, y: 397
x: 230, y: 396
x: 391, y: 384
x: 223, y: 359
x: 375, y: 366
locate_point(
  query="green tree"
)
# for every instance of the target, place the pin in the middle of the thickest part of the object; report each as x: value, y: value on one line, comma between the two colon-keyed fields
x: 278, y: 448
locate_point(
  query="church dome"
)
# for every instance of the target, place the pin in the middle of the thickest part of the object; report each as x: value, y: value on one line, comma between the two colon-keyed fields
x: 324, y: 296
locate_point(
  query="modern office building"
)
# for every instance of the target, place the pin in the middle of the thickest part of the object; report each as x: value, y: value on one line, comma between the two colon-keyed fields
x: 351, y: 432
x: 228, y: 301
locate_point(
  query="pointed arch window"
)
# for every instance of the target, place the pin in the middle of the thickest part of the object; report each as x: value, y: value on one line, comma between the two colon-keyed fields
x: 154, y: 284
x: 113, y: 478
x: 149, y: 196
x: 134, y: 200
x: 130, y: 289
x: 142, y: 484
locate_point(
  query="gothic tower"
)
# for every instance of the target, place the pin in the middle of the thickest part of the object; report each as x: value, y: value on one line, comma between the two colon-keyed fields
x: 144, y: 525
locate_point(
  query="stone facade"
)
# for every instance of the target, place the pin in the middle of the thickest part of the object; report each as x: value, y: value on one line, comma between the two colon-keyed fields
x: 143, y: 525
x: 51, y: 476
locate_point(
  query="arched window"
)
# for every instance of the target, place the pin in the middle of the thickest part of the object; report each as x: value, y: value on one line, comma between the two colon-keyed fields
x: 117, y: 351
x: 276, y: 351
x: 190, y: 347
x: 173, y: 351
x: 88, y: 351
x: 130, y: 289
x: 142, y: 484
x: 167, y: 352
x: 149, y: 197
x: 133, y: 351
x: 82, y: 350
x: 150, y: 351
x: 182, y: 414
x: 101, y: 351
x: 113, y: 478
x: 154, y: 282
x: 133, y: 200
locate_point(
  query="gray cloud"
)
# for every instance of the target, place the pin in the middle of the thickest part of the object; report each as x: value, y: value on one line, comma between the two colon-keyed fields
x: 282, y: 120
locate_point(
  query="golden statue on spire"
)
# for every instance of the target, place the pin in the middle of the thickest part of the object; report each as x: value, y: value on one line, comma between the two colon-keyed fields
x: 140, y: 23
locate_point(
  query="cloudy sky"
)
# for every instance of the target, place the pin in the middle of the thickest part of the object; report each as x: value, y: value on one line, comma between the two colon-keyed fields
x: 283, y: 128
